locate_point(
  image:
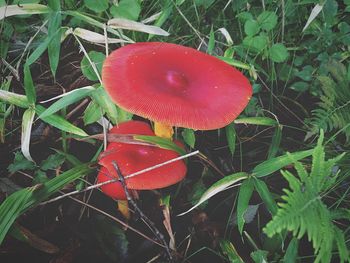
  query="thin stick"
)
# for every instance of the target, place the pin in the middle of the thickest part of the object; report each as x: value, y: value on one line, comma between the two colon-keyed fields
x: 116, y: 179
x: 148, y: 221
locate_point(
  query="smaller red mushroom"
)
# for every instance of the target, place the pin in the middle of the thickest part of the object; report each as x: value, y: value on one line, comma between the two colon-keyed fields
x: 132, y: 158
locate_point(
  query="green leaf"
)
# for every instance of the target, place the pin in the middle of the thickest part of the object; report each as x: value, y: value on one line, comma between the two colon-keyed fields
x: 231, y: 137
x: 14, y: 99
x: 59, y: 122
x: 197, y: 191
x: 266, y: 196
x: 267, y: 20
x: 161, y: 142
x: 20, y: 163
x: 27, y: 123
x: 129, y: 9
x: 55, y: 5
x: 92, y: 113
x: 97, y: 58
x: 275, y: 143
x: 20, y: 201
x: 101, y: 97
x: 292, y: 251
x: 29, y: 85
x: 245, y: 193
x: 55, y: 43
x: 259, y: 256
x: 218, y: 187
x: 251, y: 27
x: 264, y: 121
x: 277, y: 163
x: 52, y: 162
x: 278, y: 53
x: 67, y: 99
x: 96, y: 6
x: 230, y: 251
x: 234, y: 62
x: 255, y: 44
x: 211, y: 43
x: 189, y: 137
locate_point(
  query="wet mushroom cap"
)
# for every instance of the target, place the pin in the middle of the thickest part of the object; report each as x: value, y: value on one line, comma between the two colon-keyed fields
x: 114, y: 190
x: 175, y: 85
x: 132, y: 158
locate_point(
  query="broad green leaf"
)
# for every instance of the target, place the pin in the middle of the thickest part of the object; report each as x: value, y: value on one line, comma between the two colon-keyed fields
x: 277, y: 163
x: 129, y: 9
x: 55, y: 43
x: 59, y: 122
x: 278, y: 53
x: 96, y: 6
x: 92, y: 113
x: 244, y: 195
x: 255, y: 44
x: 218, y: 187
x: 266, y: 196
x: 259, y: 256
x: 52, y: 162
x: 67, y: 99
x: 231, y: 137
x: 20, y: 163
x: 264, y: 121
x: 251, y: 27
x: 267, y: 20
x: 23, y: 9
x: 230, y: 251
x: 97, y: 58
x: 20, y: 201
x: 189, y: 137
x: 14, y: 99
x: 275, y: 143
x: 161, y: 142
x: 29, y: 85
x: 120, y: 23
x: 101, y: 97
x: 27, y: 122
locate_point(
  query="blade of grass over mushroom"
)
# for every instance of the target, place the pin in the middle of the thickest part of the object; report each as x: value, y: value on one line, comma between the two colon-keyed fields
x: 67, y: 99
x: 20, y: 201
x: 14, y: 98
x: 59, y: 122
x: 263, y: 121
x: 218, y: 187
x: 161, y: 142
x: 272, y: 165
x: 27, y: 122
x: 120, y: 23
x: 23, y: 9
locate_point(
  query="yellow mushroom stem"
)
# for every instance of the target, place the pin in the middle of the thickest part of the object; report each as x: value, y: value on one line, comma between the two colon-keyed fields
x: 163, y: 130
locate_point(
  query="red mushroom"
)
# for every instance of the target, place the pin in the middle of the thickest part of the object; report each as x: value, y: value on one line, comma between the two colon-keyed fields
x: 175, y: 85
x: 114, y: 190
x: 132, y: 158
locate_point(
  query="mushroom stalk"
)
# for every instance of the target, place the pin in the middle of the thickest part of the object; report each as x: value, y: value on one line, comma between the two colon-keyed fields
x: 163, y: 130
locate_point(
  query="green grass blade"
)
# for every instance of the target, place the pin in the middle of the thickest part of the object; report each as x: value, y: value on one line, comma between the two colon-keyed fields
x: 14, y: 99
x: 27, y: 123
x: 275, y: 143
x: 59, y: 122
x: 218, y: 187
x: 20, y: 201
x: 263, y: 121
x: 277, y: 163
x: 231, y: 137
x: 160, y: 142
x: 67, y: 99
x: 29, y: 85
x: 266, y: 196
x: 245, y: 193
x: 55, y: 43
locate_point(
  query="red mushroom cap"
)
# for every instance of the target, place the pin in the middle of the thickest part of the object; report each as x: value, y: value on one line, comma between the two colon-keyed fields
x: 175, y: 85
x: 114, y: 190
x: 133, y: 158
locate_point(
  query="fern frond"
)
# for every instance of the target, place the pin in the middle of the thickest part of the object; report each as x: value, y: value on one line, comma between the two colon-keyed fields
x: 334, y: 106
x: 303, y: 211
